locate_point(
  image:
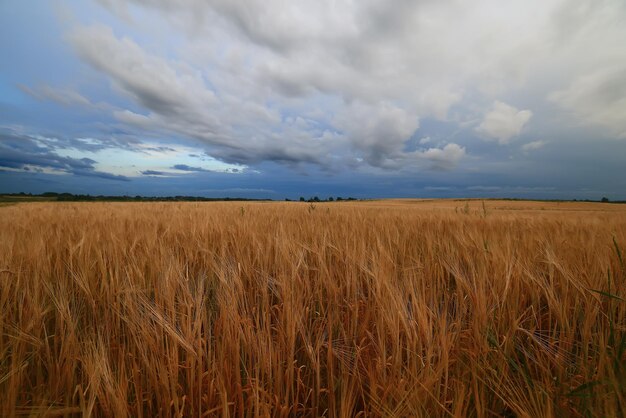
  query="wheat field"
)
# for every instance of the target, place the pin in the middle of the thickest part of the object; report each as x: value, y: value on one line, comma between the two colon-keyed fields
x: 345, y: 309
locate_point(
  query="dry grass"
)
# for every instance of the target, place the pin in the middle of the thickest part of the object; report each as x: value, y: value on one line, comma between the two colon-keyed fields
x: 398, y: 308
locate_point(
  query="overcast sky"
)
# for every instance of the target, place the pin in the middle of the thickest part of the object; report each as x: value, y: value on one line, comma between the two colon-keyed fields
x: 275, y: 99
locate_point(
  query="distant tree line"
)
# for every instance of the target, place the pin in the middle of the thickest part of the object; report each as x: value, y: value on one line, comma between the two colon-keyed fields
x: 316, y: 199
x: 70, y: 197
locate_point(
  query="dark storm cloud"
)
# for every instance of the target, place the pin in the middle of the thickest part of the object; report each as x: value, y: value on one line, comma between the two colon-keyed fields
x: 90, y: 172
x: 160, y: 149
x: 185, y: 167
x: 22, y: 152
x: 152, y: 173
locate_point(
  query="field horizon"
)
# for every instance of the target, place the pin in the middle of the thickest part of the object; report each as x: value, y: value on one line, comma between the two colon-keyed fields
x: 72, y: 197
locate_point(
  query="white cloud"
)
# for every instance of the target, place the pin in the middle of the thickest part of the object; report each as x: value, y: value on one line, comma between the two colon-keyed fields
x: 533, y: 145
x: 598, y: 98
x: 151, y: 81
x: 379, y: 131
x: 65, y: 97
x: 503, y: 122
x: 443, y: 158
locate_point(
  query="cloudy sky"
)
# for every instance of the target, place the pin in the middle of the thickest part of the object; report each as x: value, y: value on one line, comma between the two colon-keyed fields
x: 277, y: 98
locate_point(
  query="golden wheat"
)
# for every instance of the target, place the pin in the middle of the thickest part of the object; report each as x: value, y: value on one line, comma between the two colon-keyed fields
x: 389, y: 308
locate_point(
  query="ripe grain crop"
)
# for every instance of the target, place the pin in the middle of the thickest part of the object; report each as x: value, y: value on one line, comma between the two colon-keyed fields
x: 388, y: 308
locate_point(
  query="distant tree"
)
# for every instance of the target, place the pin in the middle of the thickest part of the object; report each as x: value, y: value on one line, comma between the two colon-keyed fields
x: 605, y: 200
x: 302, y: 199
x: 330, y: 199
x: 339, y: 198
x: 316, y: 199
